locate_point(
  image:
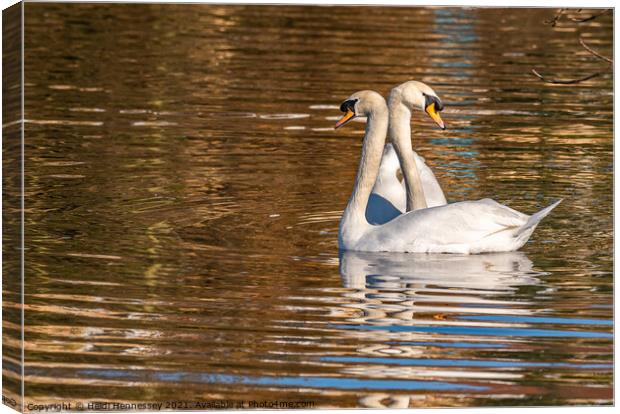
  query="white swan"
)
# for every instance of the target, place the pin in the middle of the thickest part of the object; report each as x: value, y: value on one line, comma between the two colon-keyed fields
x: 463, y: 227
x: 422, y: 188
x: 388, y: 198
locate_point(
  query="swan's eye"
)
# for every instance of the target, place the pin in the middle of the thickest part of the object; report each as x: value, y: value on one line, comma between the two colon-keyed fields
x: 438, y: 105
x: 348, y: 105
x: 429, y: 100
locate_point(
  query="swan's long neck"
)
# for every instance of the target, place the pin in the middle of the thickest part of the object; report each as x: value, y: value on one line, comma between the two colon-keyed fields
x: 354, y: 223
x: 400, y: 135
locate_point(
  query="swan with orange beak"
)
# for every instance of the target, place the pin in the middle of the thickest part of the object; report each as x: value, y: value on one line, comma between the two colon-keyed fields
x: 396, y: 188
x: 404, y: 99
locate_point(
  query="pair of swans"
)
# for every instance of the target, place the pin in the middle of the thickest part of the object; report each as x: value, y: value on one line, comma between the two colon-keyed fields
x: 427, y: 224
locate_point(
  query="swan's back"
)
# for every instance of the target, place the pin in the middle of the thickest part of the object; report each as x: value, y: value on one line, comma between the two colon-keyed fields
x: 463, y: 227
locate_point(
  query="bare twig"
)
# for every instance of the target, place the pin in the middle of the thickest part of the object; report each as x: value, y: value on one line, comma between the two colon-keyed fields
x: 552, y: 22
x: 564, y: 81
x: 595, y: 53
x: 592, y: 17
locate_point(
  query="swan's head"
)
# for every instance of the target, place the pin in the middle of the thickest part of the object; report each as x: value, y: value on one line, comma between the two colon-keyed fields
x: 418, y: 96
x: 362, y: 103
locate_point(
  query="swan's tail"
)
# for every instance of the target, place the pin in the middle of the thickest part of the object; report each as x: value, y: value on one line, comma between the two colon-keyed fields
x: 535, y: 218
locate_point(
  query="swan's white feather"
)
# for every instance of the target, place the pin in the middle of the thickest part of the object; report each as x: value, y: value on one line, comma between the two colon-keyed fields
x: 464, y: 227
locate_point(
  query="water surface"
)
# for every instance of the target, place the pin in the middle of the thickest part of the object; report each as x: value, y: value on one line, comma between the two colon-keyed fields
x: 185, y: 184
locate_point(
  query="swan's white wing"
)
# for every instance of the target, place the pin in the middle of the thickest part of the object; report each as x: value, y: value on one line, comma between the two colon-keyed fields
x: 463, y: 227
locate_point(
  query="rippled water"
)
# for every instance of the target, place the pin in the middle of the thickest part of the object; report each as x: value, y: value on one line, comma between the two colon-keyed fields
x: 185, y: 184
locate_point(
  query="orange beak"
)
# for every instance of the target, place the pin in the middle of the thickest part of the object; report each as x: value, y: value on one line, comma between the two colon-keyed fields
x: 345, y: 119
x: 430, y: 110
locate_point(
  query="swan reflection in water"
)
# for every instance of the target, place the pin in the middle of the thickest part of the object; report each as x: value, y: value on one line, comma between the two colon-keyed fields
x: 504, y: 271
x: 416, y: 306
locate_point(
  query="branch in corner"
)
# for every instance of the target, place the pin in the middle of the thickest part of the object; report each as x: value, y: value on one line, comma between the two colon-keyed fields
x: 564, y: 81
x: 554, y: 21
x: 592, y: 17
x: 595, y: 53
